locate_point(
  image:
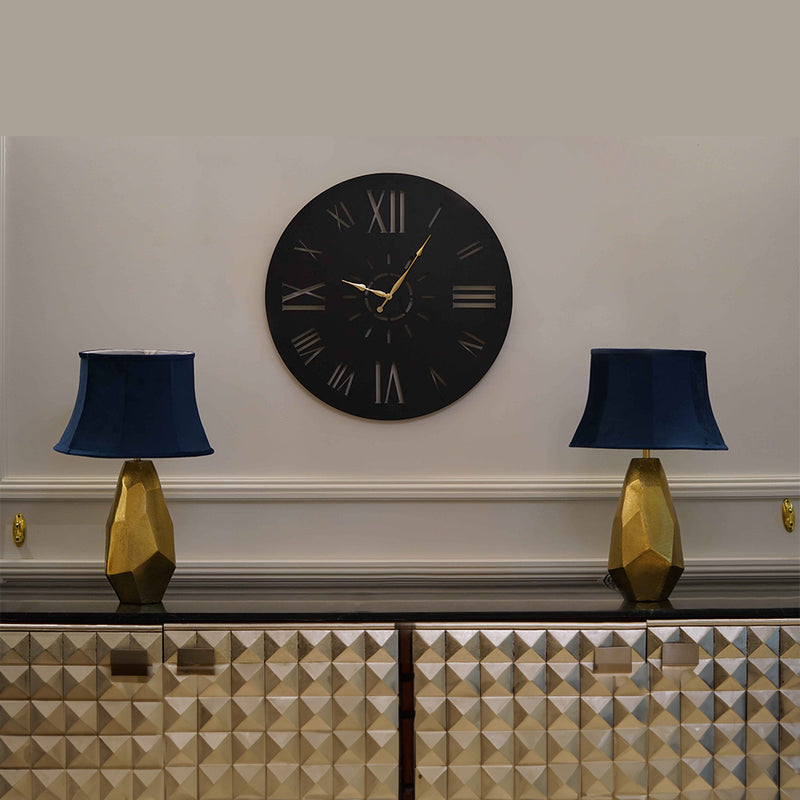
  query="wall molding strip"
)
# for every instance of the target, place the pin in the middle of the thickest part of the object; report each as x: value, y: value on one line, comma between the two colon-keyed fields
x: 306, y: 578
x: 220, y: 489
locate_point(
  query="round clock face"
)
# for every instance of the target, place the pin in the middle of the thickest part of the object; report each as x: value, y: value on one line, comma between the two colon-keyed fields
x: 388, y: 296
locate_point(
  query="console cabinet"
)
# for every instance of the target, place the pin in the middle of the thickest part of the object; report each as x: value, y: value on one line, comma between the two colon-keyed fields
x: 668, y: 710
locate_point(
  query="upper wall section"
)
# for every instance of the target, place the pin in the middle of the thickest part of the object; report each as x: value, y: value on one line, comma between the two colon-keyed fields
x: 164, y: 243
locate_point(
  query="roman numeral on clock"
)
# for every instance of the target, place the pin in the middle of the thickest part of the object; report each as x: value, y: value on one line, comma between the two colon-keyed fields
x: 308, y: 345
x: 389, y: 390
x: 474, y: 296
x: 471, y: 343
x: 438, y: 381
x: 343, y: 217
x: 469, y: 250
x: 302, y: 247
x: 342, y: 379
x: 302, y: 299
x: 395, y: 211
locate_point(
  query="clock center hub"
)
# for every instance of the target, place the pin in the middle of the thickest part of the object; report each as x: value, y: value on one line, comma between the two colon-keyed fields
x: 396, y: 308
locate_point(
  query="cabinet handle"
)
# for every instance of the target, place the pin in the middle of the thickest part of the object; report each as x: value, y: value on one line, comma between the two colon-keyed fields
x: 129, y: 663
x: 680, y: 654
x: 196, y: 661
x: 613, y: 659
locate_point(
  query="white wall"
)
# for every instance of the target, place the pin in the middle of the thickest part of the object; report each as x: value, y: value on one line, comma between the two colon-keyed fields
x: 164, y: 243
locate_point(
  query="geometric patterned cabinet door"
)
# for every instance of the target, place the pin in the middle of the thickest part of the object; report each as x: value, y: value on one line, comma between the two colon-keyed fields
x: 729, y: 727
x: 70, y: 731
x: 279, y: 712
x: 520, y: 713
x: 285, y: 713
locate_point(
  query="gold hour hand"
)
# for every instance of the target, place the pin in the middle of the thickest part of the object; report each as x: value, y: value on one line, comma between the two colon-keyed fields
x: 361, y: 287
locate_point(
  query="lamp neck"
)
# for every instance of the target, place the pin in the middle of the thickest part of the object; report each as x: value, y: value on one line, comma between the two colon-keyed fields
x: 645, y: 454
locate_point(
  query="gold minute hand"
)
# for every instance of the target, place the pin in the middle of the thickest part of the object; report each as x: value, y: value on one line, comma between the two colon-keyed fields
x: 399, y: 282
x: 363, y: 288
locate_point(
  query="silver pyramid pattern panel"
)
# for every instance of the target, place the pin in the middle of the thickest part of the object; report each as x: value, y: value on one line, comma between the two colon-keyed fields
x: 518, y: 713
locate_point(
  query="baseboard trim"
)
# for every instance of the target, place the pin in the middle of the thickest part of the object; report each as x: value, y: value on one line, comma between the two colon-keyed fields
x: 268, y: 489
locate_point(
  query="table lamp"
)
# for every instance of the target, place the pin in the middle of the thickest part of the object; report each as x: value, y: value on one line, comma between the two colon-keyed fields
x: 137, y: 404
x: 647, y: 400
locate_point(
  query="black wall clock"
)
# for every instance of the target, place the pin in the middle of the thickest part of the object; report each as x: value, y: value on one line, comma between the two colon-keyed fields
x: 388, y: 296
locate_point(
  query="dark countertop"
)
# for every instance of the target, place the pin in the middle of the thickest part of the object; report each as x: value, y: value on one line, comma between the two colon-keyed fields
x: 352, y: 605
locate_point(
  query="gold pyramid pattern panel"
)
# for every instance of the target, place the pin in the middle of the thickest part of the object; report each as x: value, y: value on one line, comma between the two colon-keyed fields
x: 286, y: 713
x: 68, y: 728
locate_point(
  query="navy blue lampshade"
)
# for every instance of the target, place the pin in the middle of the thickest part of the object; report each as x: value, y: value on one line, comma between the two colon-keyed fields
x: 135, y: 404
x: 648, y: 399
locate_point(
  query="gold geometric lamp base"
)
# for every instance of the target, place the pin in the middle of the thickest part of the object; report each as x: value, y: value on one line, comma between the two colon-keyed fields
x: 140, y: 546
x: 645, y: 558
